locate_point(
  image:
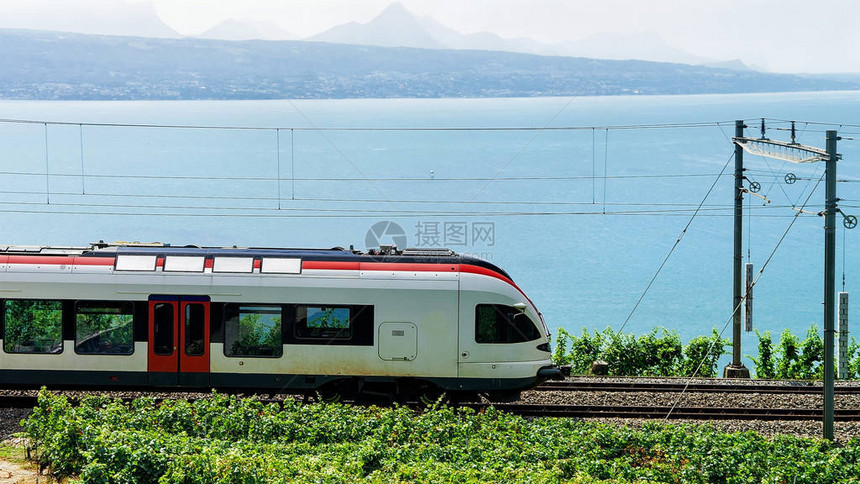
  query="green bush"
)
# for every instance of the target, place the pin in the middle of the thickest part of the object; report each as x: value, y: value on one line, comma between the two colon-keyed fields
x: 765, y: 367
x: 227, y: 440
x: 795, y: 359
x: 584, y: 351
x: 789, y: 356
x: 811, y: 356
x: 701, y: 355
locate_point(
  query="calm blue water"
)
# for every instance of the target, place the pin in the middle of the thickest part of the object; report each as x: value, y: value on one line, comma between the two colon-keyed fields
x: 551, y: 207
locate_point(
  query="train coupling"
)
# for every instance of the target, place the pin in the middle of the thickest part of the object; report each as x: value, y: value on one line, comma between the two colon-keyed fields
x: 550, y: 372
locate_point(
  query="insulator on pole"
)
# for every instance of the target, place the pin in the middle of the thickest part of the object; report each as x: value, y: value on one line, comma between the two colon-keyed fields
x: 748, y: 302
x: 842, y: 336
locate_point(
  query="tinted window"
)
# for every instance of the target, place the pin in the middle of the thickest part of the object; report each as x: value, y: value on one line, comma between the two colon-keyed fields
x: 252, y: 330
x: 163, y: 321
x: 195, y: 322
x: 497, y: 323
x: 323, y: 322
x: 104, y: 328
x: 33, y: 326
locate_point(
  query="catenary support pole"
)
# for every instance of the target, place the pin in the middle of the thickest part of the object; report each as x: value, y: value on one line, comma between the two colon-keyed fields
x: 736, y: 368
x: 829, y: 279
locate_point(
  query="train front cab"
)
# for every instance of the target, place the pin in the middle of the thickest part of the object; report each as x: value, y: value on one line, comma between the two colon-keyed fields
x: 504, y: 346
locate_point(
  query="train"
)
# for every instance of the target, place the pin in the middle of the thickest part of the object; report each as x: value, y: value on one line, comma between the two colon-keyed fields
x: 334, y: 323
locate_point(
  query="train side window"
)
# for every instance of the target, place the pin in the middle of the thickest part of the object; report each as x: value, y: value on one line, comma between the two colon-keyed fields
x: 33, y: 326
x: 323, y: 322
x: 497, y: 323
x: 253, y: 330
x: 195, y: 322
x: 163, y: 321
x: 104, y: 328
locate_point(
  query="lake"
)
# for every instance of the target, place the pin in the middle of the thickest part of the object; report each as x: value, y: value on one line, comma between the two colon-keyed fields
x: 581, y: 218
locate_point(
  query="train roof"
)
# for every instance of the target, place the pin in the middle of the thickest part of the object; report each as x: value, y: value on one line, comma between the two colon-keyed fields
x: 383, y: 254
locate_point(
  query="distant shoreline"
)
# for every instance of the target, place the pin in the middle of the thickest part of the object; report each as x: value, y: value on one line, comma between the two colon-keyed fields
x: 53, y: 66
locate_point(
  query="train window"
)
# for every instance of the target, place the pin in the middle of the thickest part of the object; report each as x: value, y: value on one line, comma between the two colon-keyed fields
x: 252, y: 330
x: 104, y: 328
x: 162, y: 322
x: 233, y: 264
x: 195, y: 322
x: 33, y: 326
x: 183, y: 263
x: 327, y: 322
x: 497, y: 323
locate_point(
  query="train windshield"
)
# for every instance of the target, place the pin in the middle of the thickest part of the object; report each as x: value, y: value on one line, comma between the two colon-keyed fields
x: 498, y: 323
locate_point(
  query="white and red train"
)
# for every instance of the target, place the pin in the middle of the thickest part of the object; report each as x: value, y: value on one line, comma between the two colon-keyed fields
x: 339, y: 322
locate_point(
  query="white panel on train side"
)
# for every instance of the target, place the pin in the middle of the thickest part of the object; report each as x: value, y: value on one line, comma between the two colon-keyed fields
x: 425, y: 275
x: 92, y: 269
x: 233, y: 264
x: 41, y: 268
x: 183, y: 263
x: 398, y: 341
x: 135, y: 262
x: 281, y: 265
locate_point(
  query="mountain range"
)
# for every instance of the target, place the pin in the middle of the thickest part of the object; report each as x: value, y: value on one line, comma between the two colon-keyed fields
x: 398, y: 27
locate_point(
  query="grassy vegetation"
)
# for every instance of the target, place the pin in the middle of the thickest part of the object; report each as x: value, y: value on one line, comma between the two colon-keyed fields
x: 224, y: 439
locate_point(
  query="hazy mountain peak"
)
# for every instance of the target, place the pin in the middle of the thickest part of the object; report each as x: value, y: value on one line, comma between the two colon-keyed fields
x: 103, y: 17
x: 648, y: 46
x: 395, y: 10
x: 393, y: 27
x: 231, y: 29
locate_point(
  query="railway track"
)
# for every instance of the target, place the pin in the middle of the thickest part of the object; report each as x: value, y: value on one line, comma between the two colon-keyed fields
x: 607, y: 411
x: 637, y: 411
x: 797, y: 388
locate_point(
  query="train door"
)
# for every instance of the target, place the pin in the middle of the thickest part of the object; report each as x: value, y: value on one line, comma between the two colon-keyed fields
x: 179, y: 341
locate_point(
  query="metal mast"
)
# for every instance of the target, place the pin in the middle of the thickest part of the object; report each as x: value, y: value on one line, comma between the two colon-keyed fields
x: 737, y: 369
x: 829, y: 279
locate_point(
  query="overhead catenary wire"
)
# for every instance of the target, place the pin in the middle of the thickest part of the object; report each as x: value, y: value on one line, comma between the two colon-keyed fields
x: 383, y: 179
x: 702, y: 124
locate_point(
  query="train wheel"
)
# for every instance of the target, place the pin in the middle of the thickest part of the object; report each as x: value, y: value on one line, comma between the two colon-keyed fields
x: 328, y: 397
x: 334, y: 392
x: 431, y: 395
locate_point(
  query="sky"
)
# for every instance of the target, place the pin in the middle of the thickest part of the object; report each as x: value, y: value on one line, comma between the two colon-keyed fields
x: 775, y: 35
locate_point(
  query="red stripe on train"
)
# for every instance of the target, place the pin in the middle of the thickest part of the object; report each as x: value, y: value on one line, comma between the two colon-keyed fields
x: 60, y: 260
x: 330, y: 265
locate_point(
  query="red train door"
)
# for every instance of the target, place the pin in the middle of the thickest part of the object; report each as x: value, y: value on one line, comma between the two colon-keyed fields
x: 179, y: 341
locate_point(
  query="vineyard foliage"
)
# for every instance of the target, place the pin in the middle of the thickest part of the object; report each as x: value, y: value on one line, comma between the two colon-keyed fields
x: 657, y: 353
x: 660, y: 353
x: 793, y: 359
x: 225, y: 439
